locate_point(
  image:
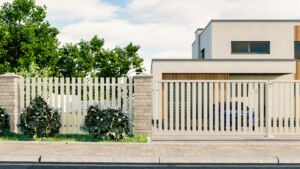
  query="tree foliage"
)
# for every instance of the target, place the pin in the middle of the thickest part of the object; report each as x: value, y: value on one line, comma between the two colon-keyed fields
x: 29, y: 47
x: 90, y: 58
x: 26, y: 37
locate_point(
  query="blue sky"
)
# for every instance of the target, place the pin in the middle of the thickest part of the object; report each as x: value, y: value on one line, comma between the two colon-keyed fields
x: 163, y: 28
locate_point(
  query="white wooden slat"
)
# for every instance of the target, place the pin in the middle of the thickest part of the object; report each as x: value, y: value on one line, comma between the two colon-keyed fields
x: 45, y: 86
x: 96, y: 87
x: 84, y: 96
x: 177, y: 106
x: 158, y: 113
x: 79, y: 113
x: 56, y: 92
x: 194, y: 92
x: 67, y: 114
x: 297, y: 107
x: 239, y: 109
x: 90, y: 92
x: 102, y: 84
x: 107, y: 93
x: 261, y: 107
x: 73, y: 108
x: 39, y: 86
x: 130, y: 111
x: 28, y: 91
x: 255, y: 107
x: 200, y: 107
x: 33, y: 88
x: 205, y: 104
x: 165, y: 106
x: 62, y: 104
x: 211, y: 94
x: 228, y: 102
x: 222, y: 107
x: 124, y: 95
x: 171, y: 106
x: 50, y: 94
x: 119, y: 92
x: 182, y: 109
x: 233, y: 108
x: 216, y: 105
x: 188, y: 105
x: 113, y: 91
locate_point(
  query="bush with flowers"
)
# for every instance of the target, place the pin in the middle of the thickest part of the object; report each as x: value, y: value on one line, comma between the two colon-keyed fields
x: 106, y: 124
x: 4, y: 121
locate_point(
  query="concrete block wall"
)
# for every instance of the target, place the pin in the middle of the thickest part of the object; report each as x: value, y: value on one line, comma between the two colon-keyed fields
x: 142, y: 119
x: 9, y: 98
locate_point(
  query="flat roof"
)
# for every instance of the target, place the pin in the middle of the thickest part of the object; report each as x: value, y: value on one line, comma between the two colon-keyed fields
x: 247, y: 20
x: 216, y: 60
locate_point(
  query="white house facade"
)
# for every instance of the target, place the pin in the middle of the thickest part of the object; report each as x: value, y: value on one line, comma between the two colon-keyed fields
x: 238, y: 49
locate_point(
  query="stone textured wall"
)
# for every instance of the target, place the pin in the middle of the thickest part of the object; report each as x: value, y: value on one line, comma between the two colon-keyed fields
x: 142, y: 119
x: 9, y: 98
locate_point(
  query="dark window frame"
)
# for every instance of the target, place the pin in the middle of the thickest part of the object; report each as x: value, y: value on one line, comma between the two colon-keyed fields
x: 249, y: 47
x: 295, y: 53
x: 202, y: 53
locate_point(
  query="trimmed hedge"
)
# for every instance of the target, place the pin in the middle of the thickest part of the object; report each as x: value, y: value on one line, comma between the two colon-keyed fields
x: 110, y: 124
x: 39, y: 120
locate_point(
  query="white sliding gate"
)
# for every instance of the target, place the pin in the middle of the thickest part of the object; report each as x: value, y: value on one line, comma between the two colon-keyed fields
x: 217, y: 109
x: 72, y: 97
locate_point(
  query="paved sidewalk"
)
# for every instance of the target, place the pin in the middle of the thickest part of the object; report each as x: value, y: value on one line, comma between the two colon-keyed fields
x: 268, y: 152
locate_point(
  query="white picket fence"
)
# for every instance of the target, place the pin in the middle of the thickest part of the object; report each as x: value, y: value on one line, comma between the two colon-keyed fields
x: 72, y: 97
x: 194, y: 109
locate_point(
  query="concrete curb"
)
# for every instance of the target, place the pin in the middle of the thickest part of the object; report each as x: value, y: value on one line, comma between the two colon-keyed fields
x: 20, y: 158
x: 220, y: 160
x: 98, y: 159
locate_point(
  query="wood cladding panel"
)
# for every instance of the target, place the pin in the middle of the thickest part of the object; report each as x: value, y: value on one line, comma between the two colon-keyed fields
x: 297, y: 32
x: 195, y: 76
x: 297, y: 75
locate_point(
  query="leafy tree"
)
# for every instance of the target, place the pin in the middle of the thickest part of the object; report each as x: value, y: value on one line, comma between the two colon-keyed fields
x: 26, y: 37
x: 89, y: 58
x: 118, y: 62
x: 77, y: 60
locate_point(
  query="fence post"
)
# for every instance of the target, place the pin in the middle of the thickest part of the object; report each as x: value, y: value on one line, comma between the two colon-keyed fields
x: 9, y: 98
x: 142, y: 104
x: 269, y: 105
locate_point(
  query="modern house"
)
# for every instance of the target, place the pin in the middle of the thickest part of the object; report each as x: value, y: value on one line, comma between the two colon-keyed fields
x: 238, y: 50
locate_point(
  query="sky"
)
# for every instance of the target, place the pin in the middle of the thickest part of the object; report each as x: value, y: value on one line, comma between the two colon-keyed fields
x: 163, y: 28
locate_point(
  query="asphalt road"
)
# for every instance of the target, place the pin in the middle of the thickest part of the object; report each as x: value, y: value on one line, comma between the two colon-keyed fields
x: 138, y: 166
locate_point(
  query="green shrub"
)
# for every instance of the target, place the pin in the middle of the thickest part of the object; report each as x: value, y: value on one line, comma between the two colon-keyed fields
x: 39, y: 120
x: 110, y: 124
x: 4, y: 121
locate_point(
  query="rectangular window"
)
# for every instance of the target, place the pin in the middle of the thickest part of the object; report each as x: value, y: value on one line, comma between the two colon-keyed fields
x: 297, y: 50
x: 250, y: 47
x: 203, y: 53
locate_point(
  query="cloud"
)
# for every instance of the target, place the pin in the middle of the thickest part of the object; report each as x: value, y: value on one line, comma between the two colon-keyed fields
x: 163, y: 28
x: 76, y: 10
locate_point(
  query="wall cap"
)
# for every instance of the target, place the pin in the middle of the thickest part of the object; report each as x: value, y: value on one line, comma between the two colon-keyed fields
x: 10, y: 75
x: 143, y: 75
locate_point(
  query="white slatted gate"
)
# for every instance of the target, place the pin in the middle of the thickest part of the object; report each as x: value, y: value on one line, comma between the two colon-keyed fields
x: 209, y: 109
x: 72, y: 97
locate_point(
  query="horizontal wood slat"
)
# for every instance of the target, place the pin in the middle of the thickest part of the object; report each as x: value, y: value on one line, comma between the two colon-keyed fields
x: 195, y: 76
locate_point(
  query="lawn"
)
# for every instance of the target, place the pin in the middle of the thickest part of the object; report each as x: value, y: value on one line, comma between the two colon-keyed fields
x: 72, y: 138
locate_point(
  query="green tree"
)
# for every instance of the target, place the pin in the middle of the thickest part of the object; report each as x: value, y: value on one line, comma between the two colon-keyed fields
x: 26, y: 38
x: 90, y: 58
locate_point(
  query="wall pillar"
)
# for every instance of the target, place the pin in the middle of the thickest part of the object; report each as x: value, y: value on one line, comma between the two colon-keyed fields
x: 9, y: 98
x: 142, y: 117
